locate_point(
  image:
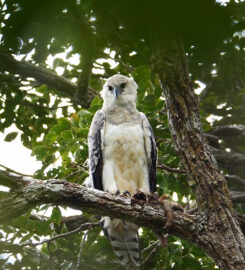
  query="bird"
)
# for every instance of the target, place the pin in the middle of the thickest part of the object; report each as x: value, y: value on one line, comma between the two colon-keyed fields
x: 122, y: 158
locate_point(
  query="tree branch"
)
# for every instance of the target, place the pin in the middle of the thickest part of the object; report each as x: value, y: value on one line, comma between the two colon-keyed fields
x: 229, y: 131
x: 232, y: 162
x: 237, y: 197
x: 13, y: 171
x: 25, y: 69
x: 236, y: 181
x: 82, y: 227
x: 59, y: 192
x: 151, y: 253
x: 71, y: 222
x: 43, y: 75
x: 169, y: 169
x: 233, y: 135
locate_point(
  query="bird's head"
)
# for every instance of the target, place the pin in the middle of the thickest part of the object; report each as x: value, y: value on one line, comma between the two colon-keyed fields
x: 119, y: 90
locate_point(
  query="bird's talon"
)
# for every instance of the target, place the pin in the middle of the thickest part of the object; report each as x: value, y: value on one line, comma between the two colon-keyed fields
x: 139, y: 195
x: 127, y: 193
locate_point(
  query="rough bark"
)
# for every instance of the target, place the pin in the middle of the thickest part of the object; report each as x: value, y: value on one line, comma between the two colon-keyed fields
x: 220, y: 235
x: 29, y: 193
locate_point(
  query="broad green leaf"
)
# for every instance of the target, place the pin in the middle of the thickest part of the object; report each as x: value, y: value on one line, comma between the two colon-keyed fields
x: 10, y: 136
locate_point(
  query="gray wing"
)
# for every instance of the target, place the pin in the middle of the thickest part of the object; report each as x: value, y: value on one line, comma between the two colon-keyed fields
x: 151, y: 151
x: 95, y: 146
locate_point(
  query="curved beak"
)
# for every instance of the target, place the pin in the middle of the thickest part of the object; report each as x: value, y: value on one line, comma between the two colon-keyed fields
x: 116, y: 91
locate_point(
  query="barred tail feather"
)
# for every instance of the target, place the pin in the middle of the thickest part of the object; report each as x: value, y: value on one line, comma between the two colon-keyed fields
x: 124, y: 239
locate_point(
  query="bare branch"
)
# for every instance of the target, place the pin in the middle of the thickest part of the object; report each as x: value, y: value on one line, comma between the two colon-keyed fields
x: 236, y: 181
x: 82, y: 227
x: 151, y: 253
x: 237, y: 196
x: 232, y: 162
x: 60, y: 192
x: 71, y: 222
x: 151, y: 246
x: 26, y: 69
x: 43, y: 75
x: 13, y: 171
x: 166, y: 168
x: 81, y: 248
x: 229, y: 131
x: 9, y: 181
x: 213, y: 140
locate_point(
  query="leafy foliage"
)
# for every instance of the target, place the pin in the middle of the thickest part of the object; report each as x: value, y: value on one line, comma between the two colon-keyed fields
x: 122, y: 33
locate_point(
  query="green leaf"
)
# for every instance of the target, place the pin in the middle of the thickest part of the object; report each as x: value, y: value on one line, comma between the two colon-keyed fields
x: 56, y: 215
x: 10, y: 136
x: 96, y: 101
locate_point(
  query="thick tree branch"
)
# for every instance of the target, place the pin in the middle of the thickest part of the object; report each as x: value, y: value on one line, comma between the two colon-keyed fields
x: 233, y: 135
x: 229, y: 131
x: 35, y: 192
x: 236, y: 182
x: 237, y: 196
x: 232, y: 162
x: 213, y: 140
x: 26, y: 69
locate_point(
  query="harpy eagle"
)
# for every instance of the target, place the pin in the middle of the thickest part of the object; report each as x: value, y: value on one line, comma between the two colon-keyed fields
x: 122, y: 157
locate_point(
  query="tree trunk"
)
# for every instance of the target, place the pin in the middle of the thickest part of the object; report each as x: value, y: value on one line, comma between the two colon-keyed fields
x: 218, y: 233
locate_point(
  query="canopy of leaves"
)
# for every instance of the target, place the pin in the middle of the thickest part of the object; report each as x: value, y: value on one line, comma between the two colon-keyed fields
x: 105, y: 38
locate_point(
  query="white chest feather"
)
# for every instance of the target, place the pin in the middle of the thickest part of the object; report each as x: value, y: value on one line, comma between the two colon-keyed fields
x: 125, y: 159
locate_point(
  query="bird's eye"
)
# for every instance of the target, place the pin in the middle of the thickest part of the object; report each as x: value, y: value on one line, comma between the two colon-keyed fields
x: 123, y: 85
x: 110, y: 87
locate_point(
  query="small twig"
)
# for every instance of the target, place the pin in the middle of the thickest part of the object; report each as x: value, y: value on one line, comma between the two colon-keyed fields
x: 81, y: 228
x: 81, y: 248
x: 151, y: 253
x: 49, y: 251
x: 15, y: 172
x: 166, y: 168
x: 191, y: 210
x: 74, y: 173
x: 150, y: 246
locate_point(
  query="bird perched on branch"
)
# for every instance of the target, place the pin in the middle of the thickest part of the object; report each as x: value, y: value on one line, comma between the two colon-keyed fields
x: 122, y: 157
